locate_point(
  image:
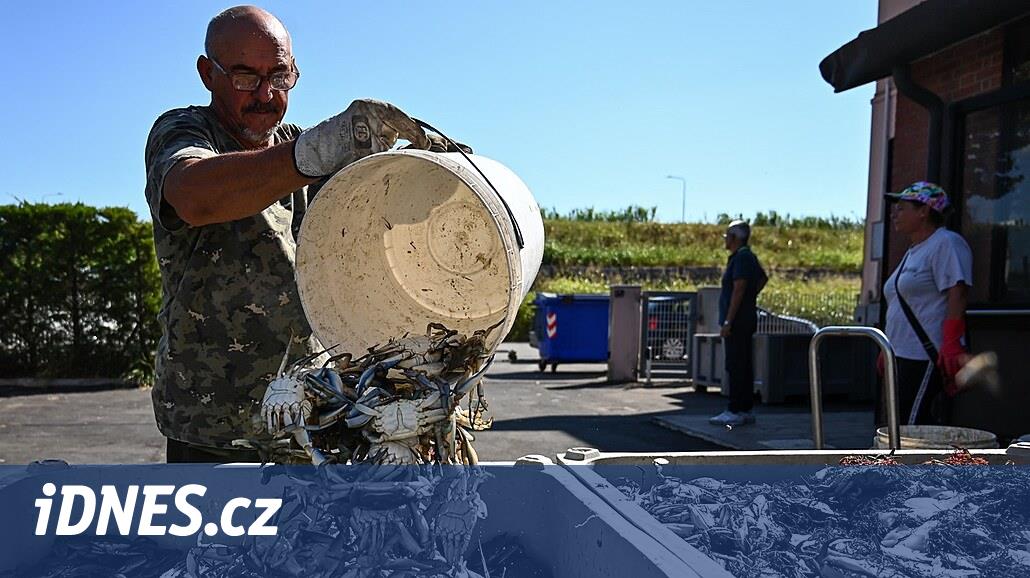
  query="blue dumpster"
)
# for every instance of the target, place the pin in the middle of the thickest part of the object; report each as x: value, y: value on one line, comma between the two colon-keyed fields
x: 571, y: 328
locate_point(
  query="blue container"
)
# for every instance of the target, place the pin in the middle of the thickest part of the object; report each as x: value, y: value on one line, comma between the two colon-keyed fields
x: 571, y: 328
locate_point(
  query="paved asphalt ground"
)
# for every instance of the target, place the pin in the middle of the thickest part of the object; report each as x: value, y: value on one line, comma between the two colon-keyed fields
x: 534, y: 413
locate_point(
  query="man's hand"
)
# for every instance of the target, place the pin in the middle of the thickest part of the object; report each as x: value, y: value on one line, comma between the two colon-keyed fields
x: 438, y: 144
x: 366, y: 127
x: 725, y: 330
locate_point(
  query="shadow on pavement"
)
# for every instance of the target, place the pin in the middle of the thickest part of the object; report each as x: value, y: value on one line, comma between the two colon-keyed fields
x: 588, y: 385
x: 612, y: 433
x: 702, y: 402
x: 546, y: 375
x: 659, y: 385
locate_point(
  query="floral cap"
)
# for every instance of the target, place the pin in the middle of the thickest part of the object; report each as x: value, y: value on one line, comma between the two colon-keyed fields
x: 924, y: 192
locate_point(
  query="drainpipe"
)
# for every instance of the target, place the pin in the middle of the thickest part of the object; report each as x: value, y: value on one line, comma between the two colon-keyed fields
x: 935, y: 106
x: 885, y: 218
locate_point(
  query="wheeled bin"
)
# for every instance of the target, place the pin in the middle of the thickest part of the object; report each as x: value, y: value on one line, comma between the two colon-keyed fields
x: 571, y: 328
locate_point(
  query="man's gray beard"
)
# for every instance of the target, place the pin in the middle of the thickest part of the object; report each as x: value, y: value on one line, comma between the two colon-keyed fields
x: 264, y: 137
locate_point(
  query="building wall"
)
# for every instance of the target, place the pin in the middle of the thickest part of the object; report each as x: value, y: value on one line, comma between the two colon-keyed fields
x: 964, y: 70
x: 969, y: 68
x: 881, y: 131
x: 890, y: 8
x: 961, y: 71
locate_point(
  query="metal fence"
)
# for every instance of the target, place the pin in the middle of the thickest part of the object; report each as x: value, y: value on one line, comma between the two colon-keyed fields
x: 668, y: 323
x: 769, y: 322
x: 834, y: 308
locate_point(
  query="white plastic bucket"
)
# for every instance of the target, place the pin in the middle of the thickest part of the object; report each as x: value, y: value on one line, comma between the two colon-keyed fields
x: 937, y: 437
x: 405, y: 238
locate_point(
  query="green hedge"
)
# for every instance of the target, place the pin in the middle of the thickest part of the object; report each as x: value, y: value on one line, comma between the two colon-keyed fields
x: 79, y: 292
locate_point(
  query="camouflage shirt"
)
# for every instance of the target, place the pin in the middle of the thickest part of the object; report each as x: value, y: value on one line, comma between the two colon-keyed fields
x: 229, y: 297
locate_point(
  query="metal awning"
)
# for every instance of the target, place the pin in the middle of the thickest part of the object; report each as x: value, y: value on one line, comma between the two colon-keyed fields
x: 920, y: 31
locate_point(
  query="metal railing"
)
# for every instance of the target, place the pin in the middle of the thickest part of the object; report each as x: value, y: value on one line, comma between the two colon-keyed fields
x: 769, y: 322
x: 890, y: 369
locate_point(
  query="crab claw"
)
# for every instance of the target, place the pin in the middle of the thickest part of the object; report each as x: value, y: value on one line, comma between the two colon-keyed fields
x: 285, y: 405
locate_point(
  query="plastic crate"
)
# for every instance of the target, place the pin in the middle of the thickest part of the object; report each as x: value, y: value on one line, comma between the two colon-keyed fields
x: 571, y: 328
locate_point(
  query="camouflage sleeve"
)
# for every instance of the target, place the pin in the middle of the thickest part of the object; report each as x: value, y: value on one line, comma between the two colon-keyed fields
x: 177, y: 135
x: 298, y: 200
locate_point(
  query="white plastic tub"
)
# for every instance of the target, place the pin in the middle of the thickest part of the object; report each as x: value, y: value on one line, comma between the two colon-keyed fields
x: 405, y: 238
x: 937, y: 437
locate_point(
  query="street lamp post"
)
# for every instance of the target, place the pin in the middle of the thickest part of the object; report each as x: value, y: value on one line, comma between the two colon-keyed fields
x: 683, y: 209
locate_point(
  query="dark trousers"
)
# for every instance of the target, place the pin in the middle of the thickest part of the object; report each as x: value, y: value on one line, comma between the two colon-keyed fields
x: 183, y: 453
x: 740, y: 366
x: 920, y: 388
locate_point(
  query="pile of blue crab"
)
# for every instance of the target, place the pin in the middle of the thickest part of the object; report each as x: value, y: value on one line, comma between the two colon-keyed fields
x: 399, y: 403
x: 350, y: 522
x: 363, y: 521
x: 852, y: 522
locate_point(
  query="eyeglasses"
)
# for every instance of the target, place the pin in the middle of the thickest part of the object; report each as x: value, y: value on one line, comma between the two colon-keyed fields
x: 249, y: 81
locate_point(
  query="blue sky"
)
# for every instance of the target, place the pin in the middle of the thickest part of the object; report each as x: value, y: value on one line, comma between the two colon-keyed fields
x: 590, y: 103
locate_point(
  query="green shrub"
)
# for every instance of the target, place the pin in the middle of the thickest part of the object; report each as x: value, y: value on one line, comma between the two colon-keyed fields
x: 79, y: 292
x: 631, y: 214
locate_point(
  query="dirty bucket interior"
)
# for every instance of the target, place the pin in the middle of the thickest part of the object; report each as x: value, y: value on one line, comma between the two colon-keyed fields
x: 402, y: 239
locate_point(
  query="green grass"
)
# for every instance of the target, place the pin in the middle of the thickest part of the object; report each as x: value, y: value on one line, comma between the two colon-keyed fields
x: 631, y: 239
x: 827, y: 300
x: 658, y: 244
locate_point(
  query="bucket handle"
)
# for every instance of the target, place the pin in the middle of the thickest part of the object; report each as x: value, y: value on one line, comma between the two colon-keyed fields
x: 514, y: 223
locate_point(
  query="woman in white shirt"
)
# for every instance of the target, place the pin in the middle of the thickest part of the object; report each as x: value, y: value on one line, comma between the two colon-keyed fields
x: 933, y: 280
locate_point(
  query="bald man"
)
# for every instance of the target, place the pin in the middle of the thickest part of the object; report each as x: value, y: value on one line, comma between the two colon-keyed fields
x: 227, y: 185
x: 742, y: 281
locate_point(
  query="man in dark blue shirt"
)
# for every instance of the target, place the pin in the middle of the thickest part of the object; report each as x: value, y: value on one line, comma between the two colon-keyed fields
x: 738, y: 319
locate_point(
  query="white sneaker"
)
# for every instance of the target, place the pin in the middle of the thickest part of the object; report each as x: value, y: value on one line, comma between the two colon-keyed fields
x: 730, y: 418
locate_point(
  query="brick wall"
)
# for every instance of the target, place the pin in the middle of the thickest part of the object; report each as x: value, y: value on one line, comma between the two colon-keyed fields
x: 966, y: 69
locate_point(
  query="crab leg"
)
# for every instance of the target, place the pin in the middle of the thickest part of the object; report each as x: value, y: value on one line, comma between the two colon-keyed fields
x: 467, y: 385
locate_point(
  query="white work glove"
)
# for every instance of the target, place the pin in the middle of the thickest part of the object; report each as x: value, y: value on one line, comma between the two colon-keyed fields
x: 285, y: 405
x: 367, y: 126
x: 438, y: 144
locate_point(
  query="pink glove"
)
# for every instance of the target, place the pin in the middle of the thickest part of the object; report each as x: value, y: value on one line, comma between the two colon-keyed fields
x: 880, y: 365
x: 952, y: 354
